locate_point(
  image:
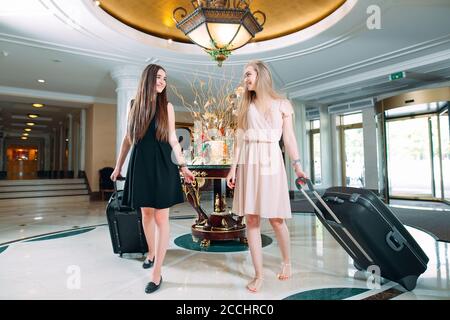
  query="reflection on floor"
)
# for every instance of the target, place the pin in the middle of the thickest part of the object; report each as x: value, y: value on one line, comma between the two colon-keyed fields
x: 79, y: 263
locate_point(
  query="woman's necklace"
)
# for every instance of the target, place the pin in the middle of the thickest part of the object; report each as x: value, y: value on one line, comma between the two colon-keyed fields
x: 264, y: 112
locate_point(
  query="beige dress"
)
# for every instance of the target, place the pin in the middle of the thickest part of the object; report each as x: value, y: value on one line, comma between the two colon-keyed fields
x: 261, y: 182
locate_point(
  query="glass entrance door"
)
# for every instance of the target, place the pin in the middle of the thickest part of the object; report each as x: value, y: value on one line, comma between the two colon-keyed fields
x: 352, y: 150
x: 418, y: 156
x: 408, y: 157
x: 444, y: 131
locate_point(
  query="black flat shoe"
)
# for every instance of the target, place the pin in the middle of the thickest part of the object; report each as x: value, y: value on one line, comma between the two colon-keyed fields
x: 148, y: 263
x: 152, y: 287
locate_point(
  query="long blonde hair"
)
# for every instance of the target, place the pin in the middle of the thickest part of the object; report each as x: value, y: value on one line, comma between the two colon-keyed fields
x: 263, y: 90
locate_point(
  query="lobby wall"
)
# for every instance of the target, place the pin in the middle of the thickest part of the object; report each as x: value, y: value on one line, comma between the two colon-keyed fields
x: 100, y: 141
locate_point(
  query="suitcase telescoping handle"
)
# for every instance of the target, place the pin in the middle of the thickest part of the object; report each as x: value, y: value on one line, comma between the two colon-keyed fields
x: 310, y: 185
x: 336, y: 223
x: 119, y: 178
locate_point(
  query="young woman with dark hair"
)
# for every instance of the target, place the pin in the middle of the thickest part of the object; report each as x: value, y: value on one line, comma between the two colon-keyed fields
x: 153, y: 181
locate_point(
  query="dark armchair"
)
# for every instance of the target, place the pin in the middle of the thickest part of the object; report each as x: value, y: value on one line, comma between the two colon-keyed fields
x: 105, y: 183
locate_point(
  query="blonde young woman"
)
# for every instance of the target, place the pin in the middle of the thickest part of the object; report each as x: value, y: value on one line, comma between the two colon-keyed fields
x: 258, y: 173
x: 152, y: 181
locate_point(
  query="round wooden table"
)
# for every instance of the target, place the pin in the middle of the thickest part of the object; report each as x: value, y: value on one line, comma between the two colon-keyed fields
x: 220, y: 225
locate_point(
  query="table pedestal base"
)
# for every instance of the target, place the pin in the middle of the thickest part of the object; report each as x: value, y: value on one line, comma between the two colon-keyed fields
x: 219, y: 227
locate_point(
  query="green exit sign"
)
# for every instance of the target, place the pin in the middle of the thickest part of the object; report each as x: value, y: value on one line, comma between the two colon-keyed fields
x: 397, y: 75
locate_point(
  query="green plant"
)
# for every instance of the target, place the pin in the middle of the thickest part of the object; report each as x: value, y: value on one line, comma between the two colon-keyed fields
x: 219, y: 54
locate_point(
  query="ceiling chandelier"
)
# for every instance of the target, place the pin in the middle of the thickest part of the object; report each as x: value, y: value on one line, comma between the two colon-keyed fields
x: 219, y: 26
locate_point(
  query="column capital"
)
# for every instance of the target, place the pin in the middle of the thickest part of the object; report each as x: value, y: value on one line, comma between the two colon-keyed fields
x: 126, y: 76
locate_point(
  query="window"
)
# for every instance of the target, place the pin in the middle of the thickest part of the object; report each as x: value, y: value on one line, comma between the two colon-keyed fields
x: 352, y: 150
x: 314, y: 136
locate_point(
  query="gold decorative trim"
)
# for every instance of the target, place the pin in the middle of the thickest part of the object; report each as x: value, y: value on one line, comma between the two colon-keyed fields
x: 413, y: 98
x: 284, y: 17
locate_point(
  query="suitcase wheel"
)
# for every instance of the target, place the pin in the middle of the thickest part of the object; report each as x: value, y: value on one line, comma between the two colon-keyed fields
x: 357, y: 266
x: 409, y: 282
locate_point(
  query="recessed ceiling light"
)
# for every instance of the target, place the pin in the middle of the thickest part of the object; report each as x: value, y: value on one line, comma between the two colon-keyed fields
x: 97, y: 2
x: 24, y: 138
x: 27, y: 129
x: 38, y: 105
x: 170, y: 41
x: 30, y: 123
x: 41, y: 80
x: 25, y: 134
x: 33, y: 115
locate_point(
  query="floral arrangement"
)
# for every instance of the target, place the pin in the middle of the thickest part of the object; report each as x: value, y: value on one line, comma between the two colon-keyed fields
x: 214, y: 109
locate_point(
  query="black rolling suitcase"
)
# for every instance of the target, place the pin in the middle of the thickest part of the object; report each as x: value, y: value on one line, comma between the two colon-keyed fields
x: 125, y: 225
x: 369, y: 232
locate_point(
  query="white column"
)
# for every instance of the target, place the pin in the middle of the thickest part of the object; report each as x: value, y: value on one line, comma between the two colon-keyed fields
x: 370, y: 149
x: 326, y: 150
x: 2, y: 152
x: 336, y: 151
x: 69, y: 144
x: 76, y: 143
x: 61, y: 145
x: 82, y: 140
x: 127, y: 80
x: 47, y: 146
x: 55, y: 166
x: 302, y: 137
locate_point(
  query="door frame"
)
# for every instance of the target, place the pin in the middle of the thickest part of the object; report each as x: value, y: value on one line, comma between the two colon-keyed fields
x: 433, y: 196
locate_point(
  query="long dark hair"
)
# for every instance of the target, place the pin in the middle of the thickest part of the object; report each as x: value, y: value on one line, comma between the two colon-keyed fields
x: 147, y: 104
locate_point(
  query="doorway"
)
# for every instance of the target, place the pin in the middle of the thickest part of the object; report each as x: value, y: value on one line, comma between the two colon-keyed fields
x: 418, y: 155
x: 21, y: 162
x: 352, y: 150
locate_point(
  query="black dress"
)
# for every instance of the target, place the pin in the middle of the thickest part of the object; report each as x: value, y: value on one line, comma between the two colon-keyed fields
x: 153, y: 179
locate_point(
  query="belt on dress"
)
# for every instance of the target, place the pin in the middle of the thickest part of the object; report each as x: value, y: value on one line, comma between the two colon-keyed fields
x: 258, y: 141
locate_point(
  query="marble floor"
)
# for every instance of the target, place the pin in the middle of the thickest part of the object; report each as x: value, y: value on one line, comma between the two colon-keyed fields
x: 64, y: 252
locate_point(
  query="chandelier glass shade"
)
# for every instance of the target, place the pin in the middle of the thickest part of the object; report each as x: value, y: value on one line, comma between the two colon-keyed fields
x: 219, y: 26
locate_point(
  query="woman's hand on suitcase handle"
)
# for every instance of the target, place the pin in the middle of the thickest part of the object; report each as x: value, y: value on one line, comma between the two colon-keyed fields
x: 115, y: 174
x: 304, y: 180
x: 187, y: 174
x: 231, y: 179
x: 300, y: 173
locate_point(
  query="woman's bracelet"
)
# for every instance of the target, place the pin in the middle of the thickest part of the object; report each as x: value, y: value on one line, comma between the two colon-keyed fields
x: 180, y: 166
x: 294, y: 162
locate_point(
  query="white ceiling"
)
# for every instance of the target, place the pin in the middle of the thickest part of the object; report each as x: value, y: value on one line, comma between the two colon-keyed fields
x: 344, y: 62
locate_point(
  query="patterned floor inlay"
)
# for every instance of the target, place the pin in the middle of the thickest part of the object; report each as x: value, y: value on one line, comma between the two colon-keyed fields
x: 327, y: 294
x: 185, y: 241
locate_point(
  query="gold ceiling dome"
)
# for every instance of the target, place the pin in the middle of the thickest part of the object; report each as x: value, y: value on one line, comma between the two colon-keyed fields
x: 284, y: 17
